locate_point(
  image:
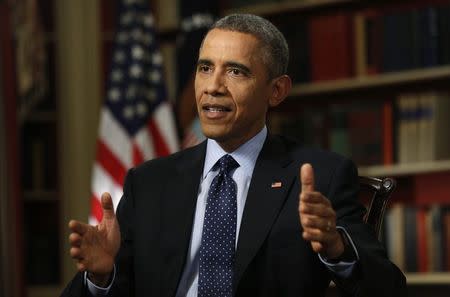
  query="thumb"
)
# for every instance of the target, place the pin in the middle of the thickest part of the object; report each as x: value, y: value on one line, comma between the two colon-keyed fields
x: 107, y: 206
x: 307, y: 178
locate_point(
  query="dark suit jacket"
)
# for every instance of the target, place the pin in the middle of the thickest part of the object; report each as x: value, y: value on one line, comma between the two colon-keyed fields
x: 156, y: 216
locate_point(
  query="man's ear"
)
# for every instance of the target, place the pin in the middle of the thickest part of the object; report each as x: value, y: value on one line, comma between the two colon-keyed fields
x: 281, y: 87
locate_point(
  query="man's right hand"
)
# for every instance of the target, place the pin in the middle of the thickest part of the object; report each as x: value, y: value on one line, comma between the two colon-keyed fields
x: 95, y: 248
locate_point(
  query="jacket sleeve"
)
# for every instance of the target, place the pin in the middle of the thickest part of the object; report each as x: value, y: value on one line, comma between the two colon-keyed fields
x: 374, y: 274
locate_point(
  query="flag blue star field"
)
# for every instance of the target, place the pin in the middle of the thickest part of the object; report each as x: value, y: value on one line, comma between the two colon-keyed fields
x: 137, y: 121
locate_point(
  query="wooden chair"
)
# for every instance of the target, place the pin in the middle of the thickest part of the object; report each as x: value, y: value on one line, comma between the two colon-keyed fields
x: 378, y: 192
x: 380, y: 189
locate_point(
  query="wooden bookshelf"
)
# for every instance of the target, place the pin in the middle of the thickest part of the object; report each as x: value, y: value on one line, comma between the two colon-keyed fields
x: 406, y: 169
x: 368, y: 82
x: 277, y: 7
x: 428, y: 278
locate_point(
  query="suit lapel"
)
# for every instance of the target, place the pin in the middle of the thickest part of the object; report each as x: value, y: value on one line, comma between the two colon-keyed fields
x: 177, y: 215
x: 263, y: 202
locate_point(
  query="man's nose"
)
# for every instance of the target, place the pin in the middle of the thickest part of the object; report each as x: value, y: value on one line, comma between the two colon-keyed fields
x: 216, y: 84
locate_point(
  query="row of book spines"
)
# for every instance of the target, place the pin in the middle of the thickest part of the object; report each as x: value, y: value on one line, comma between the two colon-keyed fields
x: 417, y: 239
x: 422, y: 124
x: 354, y: 130
x: 346, y: 44
x: 402, y: 40
x: 410, y: 128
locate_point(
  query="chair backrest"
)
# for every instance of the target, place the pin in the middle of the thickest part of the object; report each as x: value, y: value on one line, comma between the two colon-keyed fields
x: 380, y: 189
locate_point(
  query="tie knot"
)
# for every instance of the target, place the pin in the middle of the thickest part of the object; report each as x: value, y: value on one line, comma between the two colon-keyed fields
x: 226, y: 164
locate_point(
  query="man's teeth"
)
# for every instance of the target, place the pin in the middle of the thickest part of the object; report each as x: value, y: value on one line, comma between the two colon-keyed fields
x: 216, y: 109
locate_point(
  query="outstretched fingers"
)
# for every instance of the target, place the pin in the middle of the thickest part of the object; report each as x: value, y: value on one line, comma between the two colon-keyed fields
x: 78, y: 227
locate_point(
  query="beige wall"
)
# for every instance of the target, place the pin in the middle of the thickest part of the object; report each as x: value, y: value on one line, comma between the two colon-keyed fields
x: 78, y: 90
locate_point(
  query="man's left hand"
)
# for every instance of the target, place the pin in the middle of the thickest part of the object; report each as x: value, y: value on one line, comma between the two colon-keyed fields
x: 318, y: 218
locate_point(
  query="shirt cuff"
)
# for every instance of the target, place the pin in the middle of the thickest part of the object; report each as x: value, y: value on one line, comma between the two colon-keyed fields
x: 96, y: 290
x: 343, y: 269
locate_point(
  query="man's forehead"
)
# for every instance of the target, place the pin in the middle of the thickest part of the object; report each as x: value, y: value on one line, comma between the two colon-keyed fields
x: 229, y: 44
x: 216, y: 35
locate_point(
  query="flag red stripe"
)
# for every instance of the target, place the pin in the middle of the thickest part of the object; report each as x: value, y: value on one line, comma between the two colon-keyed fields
x: 110, y: 163
x: 96, y: 208
x: 161, y: 148
x: 138, y: 157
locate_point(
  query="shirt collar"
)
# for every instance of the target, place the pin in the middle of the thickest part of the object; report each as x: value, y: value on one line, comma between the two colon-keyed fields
x: 245, y: 155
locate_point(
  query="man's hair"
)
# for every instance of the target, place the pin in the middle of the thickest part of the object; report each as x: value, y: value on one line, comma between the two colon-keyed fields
x: 275, y: 51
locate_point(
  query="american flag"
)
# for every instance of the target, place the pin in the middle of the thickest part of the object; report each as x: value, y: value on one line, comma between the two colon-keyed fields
x: 136, y: 122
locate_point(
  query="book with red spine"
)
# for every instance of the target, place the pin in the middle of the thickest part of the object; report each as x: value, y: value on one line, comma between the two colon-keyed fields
x: 331, y: 46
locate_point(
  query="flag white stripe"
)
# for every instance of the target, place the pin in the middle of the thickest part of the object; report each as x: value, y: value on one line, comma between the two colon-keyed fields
x: 115, y: 138
x: 163, y: 116
x: 103, y: 182
x: 145, y: 143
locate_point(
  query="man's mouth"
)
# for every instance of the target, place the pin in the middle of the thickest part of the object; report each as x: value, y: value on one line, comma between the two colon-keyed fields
x: 216, y: 108
x: 215, y: 111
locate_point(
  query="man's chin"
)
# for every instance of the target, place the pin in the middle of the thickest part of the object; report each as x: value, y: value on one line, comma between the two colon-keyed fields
x: 219, y: 137
x: 212, y: 131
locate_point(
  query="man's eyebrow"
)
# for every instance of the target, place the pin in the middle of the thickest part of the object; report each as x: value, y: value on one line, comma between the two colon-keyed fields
x: 231, y: 64
x: 204, y: 62
x: 239, y: 66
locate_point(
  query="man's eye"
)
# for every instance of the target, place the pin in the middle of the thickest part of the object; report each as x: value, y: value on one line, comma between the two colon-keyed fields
x: 204, y: 68
x: 236, y: 71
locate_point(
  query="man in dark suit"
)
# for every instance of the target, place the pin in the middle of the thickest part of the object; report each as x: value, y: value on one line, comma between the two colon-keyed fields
x: 292, y: 217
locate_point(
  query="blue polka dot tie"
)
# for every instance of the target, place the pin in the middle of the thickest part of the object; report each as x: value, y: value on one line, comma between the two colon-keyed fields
x: 219, y: 233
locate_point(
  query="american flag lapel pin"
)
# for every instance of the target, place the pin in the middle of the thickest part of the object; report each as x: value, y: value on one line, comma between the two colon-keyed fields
x: 276, y: 184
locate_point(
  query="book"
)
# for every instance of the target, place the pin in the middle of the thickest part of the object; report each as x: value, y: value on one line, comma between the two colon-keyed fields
x: 433, y: 142
x: 422, y: 240
x: 331, y: 46
x: 388, y: 132
x: 399, y: 46
x: 425, y: 135
x: 407, y: 121
x: 360, y: 44
x: 436, y: 246
x: 431, y: 188
x: 428, y: 37
x: 395, y: 234
x: 296, y: 34
x: 444, y: 35
x: 446, y: 238
x: 410, y: 239
x: 371, y: 45
x: 365, y: 133
x: 339, y: 138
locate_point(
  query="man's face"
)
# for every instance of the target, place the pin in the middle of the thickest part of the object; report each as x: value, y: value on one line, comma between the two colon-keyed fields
x: 232, y: 88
